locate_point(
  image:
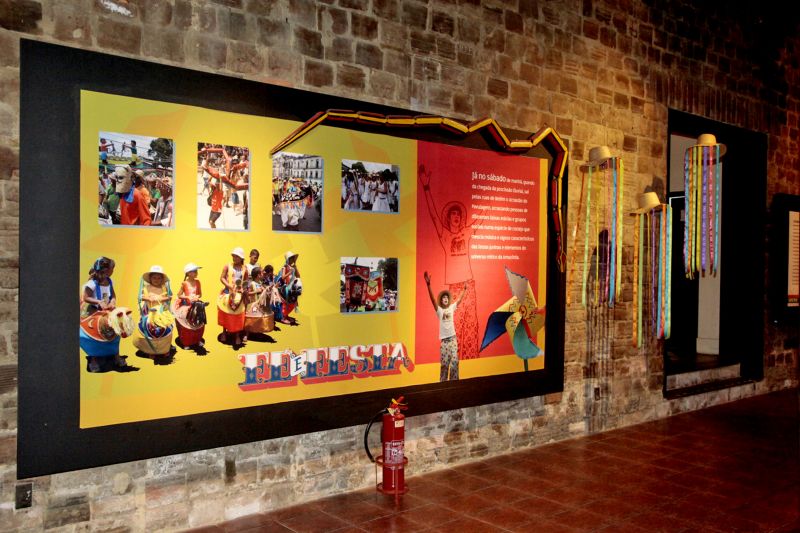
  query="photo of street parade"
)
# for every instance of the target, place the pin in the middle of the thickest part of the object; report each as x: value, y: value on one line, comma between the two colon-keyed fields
x: 223, y: 187
x: 368, y: 284
x: 297, y: 192
x: 251, y: 300
x: 370, y: 186
x: 135, y: 180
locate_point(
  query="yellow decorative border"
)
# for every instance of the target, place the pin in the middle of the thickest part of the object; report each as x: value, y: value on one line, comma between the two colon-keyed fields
x: 546, y: 136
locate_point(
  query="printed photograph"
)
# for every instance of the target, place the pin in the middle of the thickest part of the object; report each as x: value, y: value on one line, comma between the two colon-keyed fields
x: 368, y: 284
x: 370, y: 186
x: 223, y: 187
x: 297, y: 192
x: 135, y: 180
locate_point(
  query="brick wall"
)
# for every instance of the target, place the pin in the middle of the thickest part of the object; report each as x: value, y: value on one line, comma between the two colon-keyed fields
x: 600, y: 72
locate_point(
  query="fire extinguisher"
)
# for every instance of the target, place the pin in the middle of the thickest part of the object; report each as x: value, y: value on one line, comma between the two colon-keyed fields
x: 392, y: 458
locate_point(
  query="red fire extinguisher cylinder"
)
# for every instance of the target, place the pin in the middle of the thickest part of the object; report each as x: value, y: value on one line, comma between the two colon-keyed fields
x: 393, y: 438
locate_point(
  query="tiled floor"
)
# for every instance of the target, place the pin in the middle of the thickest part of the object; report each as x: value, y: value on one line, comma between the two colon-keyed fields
x: 734, y: 467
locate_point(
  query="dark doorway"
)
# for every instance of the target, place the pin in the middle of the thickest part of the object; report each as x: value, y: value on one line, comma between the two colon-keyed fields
x: 740, y: 304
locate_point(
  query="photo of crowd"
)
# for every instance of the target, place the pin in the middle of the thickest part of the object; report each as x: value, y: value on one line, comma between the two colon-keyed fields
x: 135, y: 180
x: 370, y: 186
x: 223, y: 185
x: 297, y: 192
x: 368, y: 284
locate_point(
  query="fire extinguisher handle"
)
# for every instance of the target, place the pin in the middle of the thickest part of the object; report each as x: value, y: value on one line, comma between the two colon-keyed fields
x: 366, y: 432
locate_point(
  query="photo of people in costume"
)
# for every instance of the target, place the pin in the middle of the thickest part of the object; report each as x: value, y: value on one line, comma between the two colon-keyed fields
x: 253, y: 298
x: 297, y: 181
x: 153, y: 336
x: 223, y: 187
x: 368, y: 284
x: 250, y: 302
x: 370, y: 186
x: 231, y: 300
x: 190, y: 311
x: 102, y: 323
x: 135, y: 180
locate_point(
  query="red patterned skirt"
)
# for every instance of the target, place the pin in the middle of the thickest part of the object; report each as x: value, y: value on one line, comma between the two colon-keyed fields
x: 466, y: 319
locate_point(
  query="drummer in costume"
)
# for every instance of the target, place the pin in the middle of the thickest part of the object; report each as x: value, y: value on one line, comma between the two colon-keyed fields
x: 189, y: 310
x: 259, y: 317
x: 230, y: 304
x: 154, y: 334
x: 289, y: 287
x: 102, y: 324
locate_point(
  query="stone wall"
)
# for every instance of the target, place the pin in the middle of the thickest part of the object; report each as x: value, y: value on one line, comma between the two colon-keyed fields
x: 601, y: 72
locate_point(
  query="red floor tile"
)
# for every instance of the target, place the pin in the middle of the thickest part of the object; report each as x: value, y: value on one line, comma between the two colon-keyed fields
x: 247, y: 523
x: 466, y: 525
x: 313, y: 521
x: 394, y: 523
x: 469, y: 504
x: 612, y: 508
x: 431, y: 515
x: 505, y: 516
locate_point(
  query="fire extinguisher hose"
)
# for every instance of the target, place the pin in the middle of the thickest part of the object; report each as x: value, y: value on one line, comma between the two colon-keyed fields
x: 366, y: 433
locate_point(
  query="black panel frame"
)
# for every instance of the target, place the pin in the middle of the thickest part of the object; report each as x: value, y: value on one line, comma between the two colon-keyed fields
x: 744, y: 218
x: 49, y: 438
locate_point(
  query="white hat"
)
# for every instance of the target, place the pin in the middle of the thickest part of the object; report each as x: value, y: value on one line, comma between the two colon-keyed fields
x: 647, y: 202
x: 238, y: 252
x: 288, y: 255
x: 190, y: 267
x: 598, y: 156
x: 155, y: 269
x: 708, y: 139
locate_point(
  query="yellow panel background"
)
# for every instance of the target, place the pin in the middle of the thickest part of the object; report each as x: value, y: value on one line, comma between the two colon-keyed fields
x: 197, y: 384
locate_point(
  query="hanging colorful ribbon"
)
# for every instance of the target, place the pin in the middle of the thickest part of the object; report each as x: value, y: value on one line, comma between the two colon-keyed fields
x: 637, y: 304
x: 586, y: 238
x: 702, y: 181
x: 653, y: 234
x: 668, y: 264
x: 574, y: 236
x: 620, y: 203
x: 717, y: 176
x: 612, y: 243
x: 603, y: 218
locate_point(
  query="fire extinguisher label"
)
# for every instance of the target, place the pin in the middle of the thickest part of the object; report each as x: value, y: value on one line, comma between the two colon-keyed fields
x: 399, y: 423
x: 393, y: 452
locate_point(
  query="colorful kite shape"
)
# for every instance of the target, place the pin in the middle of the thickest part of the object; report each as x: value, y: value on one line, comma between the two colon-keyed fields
x: 520, y: 317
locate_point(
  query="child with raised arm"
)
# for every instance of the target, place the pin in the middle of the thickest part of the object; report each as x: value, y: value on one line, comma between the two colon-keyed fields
x: 445, y: 310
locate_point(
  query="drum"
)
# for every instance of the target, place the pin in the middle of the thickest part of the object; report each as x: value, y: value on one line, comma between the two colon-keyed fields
x: 259, y: 323
x: 190, y: 336
x: 152, y: 346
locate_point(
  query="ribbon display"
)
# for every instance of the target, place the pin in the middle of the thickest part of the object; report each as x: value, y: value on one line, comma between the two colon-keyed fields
x: 602, y: 218
x: 652, y: 272
x: 702, y: 179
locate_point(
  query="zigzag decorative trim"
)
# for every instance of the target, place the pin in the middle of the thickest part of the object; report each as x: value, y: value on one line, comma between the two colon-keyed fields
x: 546, y: 136
x: 497, y: 133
